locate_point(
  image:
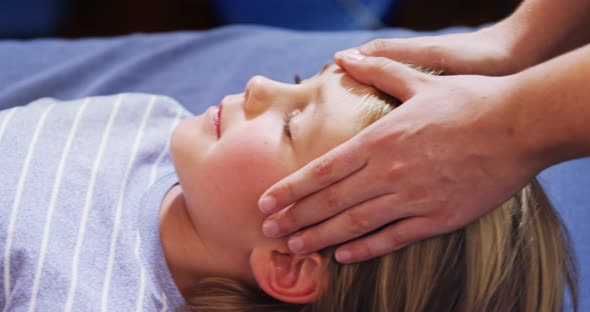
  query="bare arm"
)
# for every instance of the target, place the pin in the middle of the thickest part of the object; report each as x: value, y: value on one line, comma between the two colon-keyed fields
x: 554, y: 100
x: 541, y: 29
x: 536, y: 31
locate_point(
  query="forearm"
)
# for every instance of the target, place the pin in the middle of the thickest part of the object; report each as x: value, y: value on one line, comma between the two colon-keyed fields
x: 541, y: 29
x: 552, y: 107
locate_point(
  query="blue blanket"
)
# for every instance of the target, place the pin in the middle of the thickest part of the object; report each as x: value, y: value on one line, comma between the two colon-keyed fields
x: 199, y: 68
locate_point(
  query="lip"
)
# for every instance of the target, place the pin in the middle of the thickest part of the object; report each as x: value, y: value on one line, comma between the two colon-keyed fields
x: 215, y: 118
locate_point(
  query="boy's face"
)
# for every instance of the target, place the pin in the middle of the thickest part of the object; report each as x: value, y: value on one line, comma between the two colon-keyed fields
x: 223, y: 177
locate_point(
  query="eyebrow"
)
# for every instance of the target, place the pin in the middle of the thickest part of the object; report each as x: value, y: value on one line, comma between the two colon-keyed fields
x: 323, y: 70
x: 326, y: 66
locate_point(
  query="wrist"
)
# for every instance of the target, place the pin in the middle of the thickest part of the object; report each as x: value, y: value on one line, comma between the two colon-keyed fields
x: 550, y: 125
x: 511, y: 53
x: 515, y: 123
x: 521, y: 48
x: 531, y: 144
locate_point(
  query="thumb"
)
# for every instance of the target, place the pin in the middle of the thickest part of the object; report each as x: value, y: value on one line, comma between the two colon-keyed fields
x: 408, y: 50
x: 400, y: 49
x: 396, y: 79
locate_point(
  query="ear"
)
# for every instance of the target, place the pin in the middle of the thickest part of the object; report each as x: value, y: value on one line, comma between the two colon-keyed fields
x: 287, y: 277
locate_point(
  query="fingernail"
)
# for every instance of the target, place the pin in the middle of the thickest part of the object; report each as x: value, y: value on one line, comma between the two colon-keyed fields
x: 267, y: 204
x: 270, y: 228
x: 296, y: 244
x: 343, y: 255
x: 350, y: 54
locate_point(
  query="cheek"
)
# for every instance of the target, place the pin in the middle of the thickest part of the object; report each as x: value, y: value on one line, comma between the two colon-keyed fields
x: 247, y: 159
x: 246, y: 164
x: 232, y: 175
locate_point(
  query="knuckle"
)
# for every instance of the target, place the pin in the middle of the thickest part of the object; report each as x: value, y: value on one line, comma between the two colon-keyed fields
x: 437, y: 55
x: 349, y: 159
x: 377, y: 45
x: 313, y: 240
x: 287, y: 190
x: 363, y: 251
x: 289, y: 220
x: 357, y: 222
x: 332, y: 200
x: 375, y: 142
x: 434, y: 50
x: 421, y: 79
x: 392, y: 172
x: 446, y: 218
x: 393, y: 238
x: 395, y: 171
x: 382, y: 67
x: 323, y: 168
x: 418, y: 193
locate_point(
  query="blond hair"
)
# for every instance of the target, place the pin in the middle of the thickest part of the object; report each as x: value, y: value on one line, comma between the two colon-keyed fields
x: 515, y: 258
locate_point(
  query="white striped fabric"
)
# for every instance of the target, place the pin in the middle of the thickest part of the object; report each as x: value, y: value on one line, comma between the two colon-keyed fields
x: 24, y: 171
x: 81, y: 186
x: 54, y: 193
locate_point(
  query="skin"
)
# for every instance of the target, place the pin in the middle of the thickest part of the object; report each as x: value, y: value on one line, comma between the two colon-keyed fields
x: 504, y: 48
x: 209, y: 223
x: 459, y: 145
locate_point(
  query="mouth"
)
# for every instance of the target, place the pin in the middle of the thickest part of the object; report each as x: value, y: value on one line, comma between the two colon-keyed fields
x: 214, y: 113
x: 218, y: 120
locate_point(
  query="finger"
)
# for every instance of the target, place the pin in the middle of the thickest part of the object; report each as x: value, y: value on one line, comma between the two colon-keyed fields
x: 326, y: 203
x: 385, y: 47
x: 396, y: 79
x: 350, y: 224
x: 389, y: 239
x: 329, y: 168
x: 400, y: 49
x: 412, y: 51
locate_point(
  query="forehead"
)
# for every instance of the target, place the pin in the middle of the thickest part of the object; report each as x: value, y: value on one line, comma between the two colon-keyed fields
x: 332, y: 74
x: 335, y: 116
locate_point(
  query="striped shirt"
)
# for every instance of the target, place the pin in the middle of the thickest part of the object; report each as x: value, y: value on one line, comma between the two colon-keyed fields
x: 81, y: 183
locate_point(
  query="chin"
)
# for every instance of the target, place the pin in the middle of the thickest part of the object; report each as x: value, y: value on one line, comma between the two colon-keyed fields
x: 186, y: 143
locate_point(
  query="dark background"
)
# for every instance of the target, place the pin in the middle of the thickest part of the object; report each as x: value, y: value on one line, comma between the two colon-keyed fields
x: 118, y: 17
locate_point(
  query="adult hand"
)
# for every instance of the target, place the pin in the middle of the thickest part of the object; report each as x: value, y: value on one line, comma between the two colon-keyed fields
x: 484, y: 52
x: 448, y: 155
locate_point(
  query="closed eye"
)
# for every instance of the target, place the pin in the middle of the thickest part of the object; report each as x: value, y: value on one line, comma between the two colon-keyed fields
x: 287, y: 122
x: 288, y: 116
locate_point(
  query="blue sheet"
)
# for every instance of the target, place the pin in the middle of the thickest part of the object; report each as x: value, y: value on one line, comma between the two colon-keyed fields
x: 199, y: 68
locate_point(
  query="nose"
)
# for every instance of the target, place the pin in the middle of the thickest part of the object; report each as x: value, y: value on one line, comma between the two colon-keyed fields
x: 261, y: 93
